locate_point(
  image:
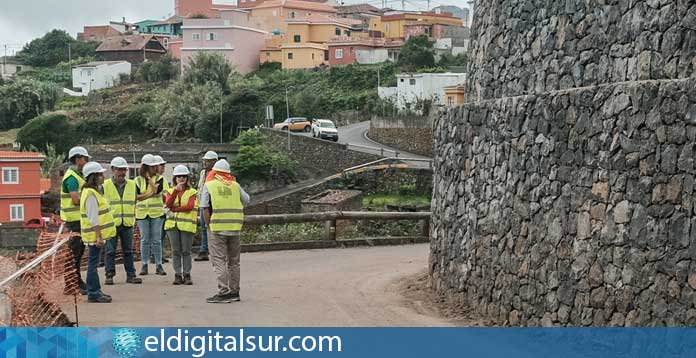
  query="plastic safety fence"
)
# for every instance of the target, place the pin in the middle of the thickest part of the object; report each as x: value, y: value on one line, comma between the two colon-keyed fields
x: 119, y: 251
x: 45, y: 282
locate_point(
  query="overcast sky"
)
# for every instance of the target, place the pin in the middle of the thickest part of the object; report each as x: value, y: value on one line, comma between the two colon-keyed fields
x: 23, y: 20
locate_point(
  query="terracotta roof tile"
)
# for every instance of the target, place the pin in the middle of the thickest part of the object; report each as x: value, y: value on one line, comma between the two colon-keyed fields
x: 321, y: 18
x: 20, y: 155
x: 127, y: 43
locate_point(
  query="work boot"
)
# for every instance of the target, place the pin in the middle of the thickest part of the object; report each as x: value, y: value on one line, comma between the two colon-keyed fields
x: 232, y: 296
x: 218, y: 298
x: 100, y: 299
x: 178, y: 280
x: 143, y: 271
x: 202, y: 256
x: 109, y: 280
x: 135, y: 280
x: 187, y: 279
x: 160, y: 271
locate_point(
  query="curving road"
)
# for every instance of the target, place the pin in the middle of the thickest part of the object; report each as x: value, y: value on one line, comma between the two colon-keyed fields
x: 333, y: 287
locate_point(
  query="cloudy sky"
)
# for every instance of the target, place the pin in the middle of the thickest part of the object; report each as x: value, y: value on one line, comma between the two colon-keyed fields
x: 23, y: 20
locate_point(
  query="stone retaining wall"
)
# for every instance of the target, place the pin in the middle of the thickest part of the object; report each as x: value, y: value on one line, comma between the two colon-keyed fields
x: 571, y: 207
x: 410, y: 134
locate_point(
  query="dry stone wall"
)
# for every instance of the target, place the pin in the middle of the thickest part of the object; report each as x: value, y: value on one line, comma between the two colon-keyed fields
x: 571, y: 202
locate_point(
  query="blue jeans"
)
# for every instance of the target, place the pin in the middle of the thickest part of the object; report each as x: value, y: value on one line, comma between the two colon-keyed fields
x: 126, y: 235
x: 151, y: 239
x: 204, y: 233
x: 93, y: 286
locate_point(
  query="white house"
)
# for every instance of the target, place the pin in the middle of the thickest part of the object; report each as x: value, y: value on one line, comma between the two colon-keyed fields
x: 411, y: 88
x: 97, y: 75
x: 10, y: 66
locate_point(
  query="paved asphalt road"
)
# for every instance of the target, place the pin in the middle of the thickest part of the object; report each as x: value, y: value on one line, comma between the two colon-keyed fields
x: 332, y: 287
x: 355, y: 137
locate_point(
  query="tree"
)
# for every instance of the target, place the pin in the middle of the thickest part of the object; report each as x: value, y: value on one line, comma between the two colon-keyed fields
x: 163, y: 69
x: 52, y: 49
x: 417, y: 53
x: 186, y: 110
x: 48, y: 129
x: 209, y: 67
x: 23, y: 100
x: 452, y: 60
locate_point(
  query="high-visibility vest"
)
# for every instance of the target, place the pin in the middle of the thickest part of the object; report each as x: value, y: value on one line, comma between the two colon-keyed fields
x: 228, y: 211
x: 184, y: 221
x: 70, y: 212
x: 106, y: 219
x: 122, y: 208
x: 152, y: 207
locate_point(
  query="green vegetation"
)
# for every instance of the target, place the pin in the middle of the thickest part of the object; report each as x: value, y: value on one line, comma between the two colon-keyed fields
x: 163, y: 69
x: 283, y: 233
x: 206, y: 68
x: 417, y: 53
x: 45, y: 130
x: 52, y: 49
x: 23, y: 100
x: 382, y: 200
x: 256, y: 161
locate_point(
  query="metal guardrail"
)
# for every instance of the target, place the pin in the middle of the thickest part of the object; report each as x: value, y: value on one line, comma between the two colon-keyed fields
x: 330, y: 218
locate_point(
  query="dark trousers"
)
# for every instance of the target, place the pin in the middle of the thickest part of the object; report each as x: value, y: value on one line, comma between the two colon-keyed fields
x: 125, y: 235
x: 93, y: 285
x: 78, y: 250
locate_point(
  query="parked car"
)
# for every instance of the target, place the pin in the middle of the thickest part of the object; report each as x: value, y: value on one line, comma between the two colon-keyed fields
x: 295, y: 124
x: 324, y: 129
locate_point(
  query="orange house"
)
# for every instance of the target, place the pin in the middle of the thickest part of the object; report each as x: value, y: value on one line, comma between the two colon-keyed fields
x: 20, y: 186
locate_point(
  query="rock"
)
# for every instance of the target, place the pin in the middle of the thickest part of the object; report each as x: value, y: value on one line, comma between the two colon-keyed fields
x: 601, y: 190
x: 514, y: 318
x: 584, y: 229
x: 596, y: 276
x: 692, y: 281
x: 622, y: 212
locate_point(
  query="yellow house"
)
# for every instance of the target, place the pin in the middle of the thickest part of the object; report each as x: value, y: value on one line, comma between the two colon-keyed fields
x: 392, y: 26
x: 272, y: 14
x: 304, y: 43
x: 307, y: 55
x: 454, y: 95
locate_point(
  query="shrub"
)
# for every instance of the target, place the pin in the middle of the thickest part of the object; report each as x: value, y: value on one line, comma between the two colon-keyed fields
x: 48, y: 129
x: 256, y: 161
x: 23, y: 100
x: 163, y: 69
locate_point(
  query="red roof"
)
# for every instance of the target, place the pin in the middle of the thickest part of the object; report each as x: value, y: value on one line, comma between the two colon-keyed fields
x: 45, y: 185
x: 321, y: 18
x: 20, y: 155
x: 129, y: 43
x: 99, y: 32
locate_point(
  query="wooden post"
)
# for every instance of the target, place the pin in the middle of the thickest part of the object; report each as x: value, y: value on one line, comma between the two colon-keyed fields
x: 330, y: 226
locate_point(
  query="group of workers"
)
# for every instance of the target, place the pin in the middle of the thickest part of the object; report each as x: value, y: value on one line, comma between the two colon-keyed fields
x: 101, y: 212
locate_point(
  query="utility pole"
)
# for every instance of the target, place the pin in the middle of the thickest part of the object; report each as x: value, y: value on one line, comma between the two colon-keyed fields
x: 69, y: 53
x: 4, y: 62
x: 221, y: 122
x: 287, y: 111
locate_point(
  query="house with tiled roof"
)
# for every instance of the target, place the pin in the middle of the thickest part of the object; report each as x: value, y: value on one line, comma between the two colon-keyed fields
x: 131, y: 48
x: 362, y: 12
x: 21, y: 186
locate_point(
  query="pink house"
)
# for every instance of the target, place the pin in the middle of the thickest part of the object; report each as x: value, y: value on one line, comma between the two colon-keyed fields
x: 233, y: 35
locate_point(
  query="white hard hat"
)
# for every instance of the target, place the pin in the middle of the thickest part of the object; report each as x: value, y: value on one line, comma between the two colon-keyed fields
x: 181, y: 170
x: 148, y: 159
x: 119, y: 162
x: 160, y: 160
x: 210, y: 155
x: 91, y: 168
x: 222, y: 166
x: 81, y: 151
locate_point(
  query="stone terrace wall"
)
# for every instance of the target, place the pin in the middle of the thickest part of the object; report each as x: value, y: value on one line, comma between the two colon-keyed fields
x: 536, y: 46
x: 326, y: 157
x: 571, y: 207
x: 410, y: 134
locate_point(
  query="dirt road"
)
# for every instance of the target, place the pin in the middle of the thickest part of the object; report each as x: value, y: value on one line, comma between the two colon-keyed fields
x: 333, y: 287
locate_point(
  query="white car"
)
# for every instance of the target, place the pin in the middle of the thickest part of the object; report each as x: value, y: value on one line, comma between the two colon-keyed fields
x: 324, y: 129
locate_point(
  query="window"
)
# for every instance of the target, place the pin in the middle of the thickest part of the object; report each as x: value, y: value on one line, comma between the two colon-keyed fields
x: 289, y: 55
x: 338, y: 53
x: 268, y: 54
x: 212, y: 36
x: 450, y: 101
x: 348, y: 33
x: 196, y: 37
x: 412, y: 81
x: 17, y: 212
x: 10, y: 175
x: 297, y: 38
x: 292, y: 14
x: 338, y: 32
x: 312, y: 56
x: 19, y: 68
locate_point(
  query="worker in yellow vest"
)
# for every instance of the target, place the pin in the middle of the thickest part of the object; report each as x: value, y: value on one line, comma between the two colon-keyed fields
x: 223, y: 201
x: 161, y: 166
x: 98, y: 227
x: 181, y: 223
x: 149, y: 212
x: 120, y: 192
x: 209, y: 159
x: 70, y: 192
